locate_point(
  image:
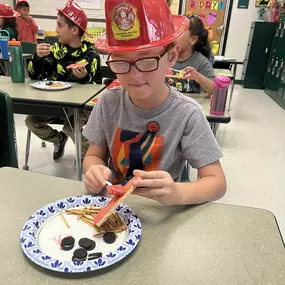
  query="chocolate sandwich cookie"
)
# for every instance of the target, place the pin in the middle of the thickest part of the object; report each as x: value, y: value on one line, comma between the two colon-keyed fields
x: 94, y: 255
x: 109, y: 237
x: 67, y: 243
x: 79, y: 254
x: 87, y: 243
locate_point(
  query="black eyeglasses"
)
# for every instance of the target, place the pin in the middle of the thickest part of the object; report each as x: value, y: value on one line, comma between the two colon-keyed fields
x: 147, y: 64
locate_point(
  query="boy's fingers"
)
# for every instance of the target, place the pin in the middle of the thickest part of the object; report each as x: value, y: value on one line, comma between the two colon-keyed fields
x: 92, y: 177
x: 107, y: 173
x: 151, y: 174
x: 150, y: 183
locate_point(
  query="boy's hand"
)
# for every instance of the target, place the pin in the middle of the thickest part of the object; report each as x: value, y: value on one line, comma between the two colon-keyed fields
x: 80, y: 72
x: 95, y: 178
x: 43, y: 50
x: 190, y: 73
x: 159, y: 186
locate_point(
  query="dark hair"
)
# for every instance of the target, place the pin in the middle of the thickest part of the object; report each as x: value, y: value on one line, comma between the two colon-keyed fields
x: 23, y: 5
x: 169, y: 2
x: 197, y: 29
x: 10, y: 23
x: 70, y: 24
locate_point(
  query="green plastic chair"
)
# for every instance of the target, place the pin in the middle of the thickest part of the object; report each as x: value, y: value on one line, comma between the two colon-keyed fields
x: 8, y: 155
x: 29, y: 47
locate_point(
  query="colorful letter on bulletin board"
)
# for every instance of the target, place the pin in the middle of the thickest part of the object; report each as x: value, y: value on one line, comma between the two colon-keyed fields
x: 221, y: 6
x: 192, y: 4
x: 215, y: 5
x: 202, y: 4
x: 208, y: 4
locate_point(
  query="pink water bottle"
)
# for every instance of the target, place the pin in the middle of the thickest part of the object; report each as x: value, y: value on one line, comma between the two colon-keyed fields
x: 219, y: 97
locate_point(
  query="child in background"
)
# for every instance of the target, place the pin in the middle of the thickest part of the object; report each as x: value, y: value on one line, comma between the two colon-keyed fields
x: 27, y: 26
x: 193, y: 60
x: 146, y: 127
x: 8, y: 21
x: 52, y: 61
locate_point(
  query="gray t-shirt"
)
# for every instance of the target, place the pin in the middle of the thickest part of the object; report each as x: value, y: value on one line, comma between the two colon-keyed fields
x: 201, y: 64
x: 159, y: 139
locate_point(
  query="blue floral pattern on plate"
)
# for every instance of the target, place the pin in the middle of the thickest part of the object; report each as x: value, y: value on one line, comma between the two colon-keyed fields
x: 29, y: 232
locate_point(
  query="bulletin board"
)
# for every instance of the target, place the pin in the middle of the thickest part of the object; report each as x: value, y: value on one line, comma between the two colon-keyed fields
x: 47, y: 8
x: 212, y: 13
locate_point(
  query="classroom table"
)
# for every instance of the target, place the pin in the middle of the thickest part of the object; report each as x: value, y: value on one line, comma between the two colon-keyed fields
x: 30, y: 101
x: 4, y: 63
x: 208, y: 244
x: 203, y: 100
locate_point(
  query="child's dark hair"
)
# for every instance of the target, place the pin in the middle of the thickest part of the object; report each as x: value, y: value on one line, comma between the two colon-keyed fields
x: 23, y: 5
x: 197, y: 29
x: 169, y: 2
x: 10, y: 23
x: 71, y: 24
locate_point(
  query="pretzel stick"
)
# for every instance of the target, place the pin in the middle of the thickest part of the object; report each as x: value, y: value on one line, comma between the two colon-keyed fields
x: 64, y: 220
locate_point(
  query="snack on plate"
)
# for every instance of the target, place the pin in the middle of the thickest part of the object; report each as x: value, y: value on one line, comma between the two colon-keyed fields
x: 87, y: 244
x: 56, y: 84
x: 77, y: 65
x: 67, y: 243
x: 114, y: 223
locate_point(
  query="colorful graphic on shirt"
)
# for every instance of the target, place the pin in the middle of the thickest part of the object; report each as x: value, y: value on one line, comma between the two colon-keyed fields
x: 175, y: 79
x: 133, y: 150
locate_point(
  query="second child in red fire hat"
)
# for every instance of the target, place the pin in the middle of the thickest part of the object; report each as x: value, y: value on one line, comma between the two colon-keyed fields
x: 147, y: 127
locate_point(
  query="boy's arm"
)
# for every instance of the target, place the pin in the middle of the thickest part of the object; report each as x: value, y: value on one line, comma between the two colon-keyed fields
x: 94, y: 162
x: 95, y: 155
x: 92, y: 68
x: 210, y: 187
x: 161, y: 187
x: 42, y: 67
x: 34, y: 25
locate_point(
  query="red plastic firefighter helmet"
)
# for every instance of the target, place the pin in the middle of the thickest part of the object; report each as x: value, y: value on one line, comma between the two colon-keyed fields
x: 139, y: 25
x: 75, y: 13
x: 19, y: 2
x: 6, y: 11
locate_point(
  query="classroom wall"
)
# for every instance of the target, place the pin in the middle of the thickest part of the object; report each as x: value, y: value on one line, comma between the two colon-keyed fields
x: 9, y: 2
x: 239, y: 32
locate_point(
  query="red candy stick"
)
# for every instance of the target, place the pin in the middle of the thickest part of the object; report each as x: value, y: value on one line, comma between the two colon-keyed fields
x: 104, y: 213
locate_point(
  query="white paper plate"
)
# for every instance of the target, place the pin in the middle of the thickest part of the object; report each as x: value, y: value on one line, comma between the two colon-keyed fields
x: 42, y: 85
x: 42, y: 233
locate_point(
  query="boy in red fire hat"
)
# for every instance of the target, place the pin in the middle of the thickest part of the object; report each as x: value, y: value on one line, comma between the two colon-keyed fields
x: 148, y: 128
x: 52, y: 62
